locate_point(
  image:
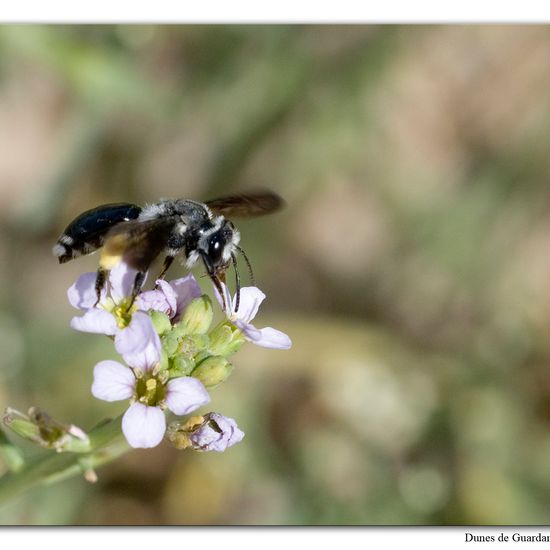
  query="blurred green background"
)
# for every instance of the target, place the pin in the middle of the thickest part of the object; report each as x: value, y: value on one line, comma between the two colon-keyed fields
x: 411, y: 266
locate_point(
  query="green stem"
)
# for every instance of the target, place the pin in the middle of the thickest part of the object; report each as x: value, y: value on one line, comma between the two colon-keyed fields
x: 106, y: 444
x: 11, y: 454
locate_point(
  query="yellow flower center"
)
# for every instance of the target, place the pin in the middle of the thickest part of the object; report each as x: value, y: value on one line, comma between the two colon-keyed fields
x: 121, y: 312
x: 150, y: 389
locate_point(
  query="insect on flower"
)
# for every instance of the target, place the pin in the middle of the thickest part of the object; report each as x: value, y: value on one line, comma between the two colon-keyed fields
x: 134, y: 235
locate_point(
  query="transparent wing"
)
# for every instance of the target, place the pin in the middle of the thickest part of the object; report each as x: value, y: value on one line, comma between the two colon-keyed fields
x: 246, y: 205
x: 137, y: 243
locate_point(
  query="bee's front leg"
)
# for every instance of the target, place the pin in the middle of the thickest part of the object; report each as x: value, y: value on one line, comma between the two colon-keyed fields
x: 138, y: 283
x: 100, y: 279
x: 165, y: 267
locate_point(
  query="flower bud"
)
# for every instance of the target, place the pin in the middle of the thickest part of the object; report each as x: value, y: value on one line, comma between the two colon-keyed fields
x: 178, y: 432
x: 86, y: 465
x: 170, y: 343
x: 213, y: 371
x: 225, y: 340
x: 164, y: 360
x: 42, y: 429
x: 181, y: 365
x: 161, y: 322
x: 197, y: 316
x: 211, y: 432
x: 193, y: 344
x: 21, y: 424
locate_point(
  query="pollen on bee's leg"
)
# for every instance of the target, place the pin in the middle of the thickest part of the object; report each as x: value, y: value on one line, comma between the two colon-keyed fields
x: 108, y: 261
x: 113, y: 251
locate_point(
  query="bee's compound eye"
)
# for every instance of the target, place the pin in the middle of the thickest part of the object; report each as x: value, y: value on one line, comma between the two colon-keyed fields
x: 216, y: 244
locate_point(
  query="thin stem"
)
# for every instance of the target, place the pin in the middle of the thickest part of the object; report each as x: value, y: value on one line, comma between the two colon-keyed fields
x: 106, y: 444
x: 11, y: 454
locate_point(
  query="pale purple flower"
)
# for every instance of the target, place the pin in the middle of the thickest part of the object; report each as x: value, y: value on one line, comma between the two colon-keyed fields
x: 150, y: 392
x: 170, y: 297
x: 217, y: 433
x: 250, y: 300
x: 132, y: 329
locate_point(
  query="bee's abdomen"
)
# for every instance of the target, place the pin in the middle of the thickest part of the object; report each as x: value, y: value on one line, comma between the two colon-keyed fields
x: 86, y: 233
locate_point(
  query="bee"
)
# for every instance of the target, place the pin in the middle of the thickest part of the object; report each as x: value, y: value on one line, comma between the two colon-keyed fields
x: 175, y: 227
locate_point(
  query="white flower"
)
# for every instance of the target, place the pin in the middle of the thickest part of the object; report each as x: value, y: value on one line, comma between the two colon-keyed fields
x: 250, y: 300
x: 147, y: 386
x: 131, y: 329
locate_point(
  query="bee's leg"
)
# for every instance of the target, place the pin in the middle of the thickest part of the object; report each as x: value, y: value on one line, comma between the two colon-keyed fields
x: 138, y: 283
x: 100, y: 279
x: 165, y: 267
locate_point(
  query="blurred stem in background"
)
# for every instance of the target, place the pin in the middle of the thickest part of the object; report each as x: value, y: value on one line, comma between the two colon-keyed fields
x: 106, y: 443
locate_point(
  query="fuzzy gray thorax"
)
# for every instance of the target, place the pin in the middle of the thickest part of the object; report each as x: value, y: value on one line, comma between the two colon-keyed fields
x: 196, y: 232
x: 191, y: 212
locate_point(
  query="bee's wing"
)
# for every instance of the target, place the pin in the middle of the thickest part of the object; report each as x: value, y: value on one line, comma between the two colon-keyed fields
x: 246, y: 205
x: 86, y: 233
x: 137, y: 243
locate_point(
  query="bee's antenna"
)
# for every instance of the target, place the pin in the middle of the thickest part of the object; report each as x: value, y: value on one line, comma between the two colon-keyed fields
x: 237, y: 282
x: 250, y: 273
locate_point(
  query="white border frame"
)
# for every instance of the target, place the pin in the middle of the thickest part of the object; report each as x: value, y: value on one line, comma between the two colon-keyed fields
x: 280, y: 11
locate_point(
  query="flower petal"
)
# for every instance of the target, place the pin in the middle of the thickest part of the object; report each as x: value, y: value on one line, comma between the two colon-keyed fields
x: 250, y: 331
x: 121, y: 279
x: 143, y: 426
x: 112, y: 381
x: 82, y: 294
x: 271, y: 338
x: 169, y: 293
x: 224, y: 434
x: 228, y: 301
x: 156, y: 300
x: 139, y: 343
x: 97, y: 321
x: 185, y: 394
x: 251, y: 298
x: 186, y: 290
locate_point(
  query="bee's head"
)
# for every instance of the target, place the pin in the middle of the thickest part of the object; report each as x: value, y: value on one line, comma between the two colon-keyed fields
x: 216, y: 245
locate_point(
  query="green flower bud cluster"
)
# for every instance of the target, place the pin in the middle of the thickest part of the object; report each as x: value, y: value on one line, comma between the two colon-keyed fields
x: 40, y: 428
x: 191, y: 347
